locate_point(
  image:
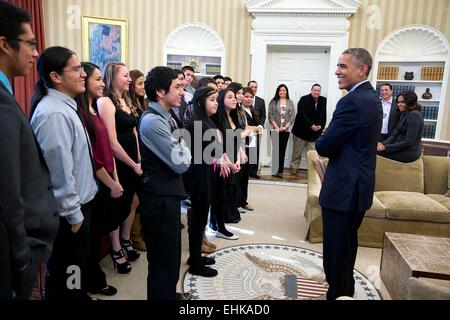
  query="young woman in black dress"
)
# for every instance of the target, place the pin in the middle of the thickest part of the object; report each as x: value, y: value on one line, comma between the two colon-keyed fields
x: 224, y: 207
x: 119, y: 116
x: 201, y: 175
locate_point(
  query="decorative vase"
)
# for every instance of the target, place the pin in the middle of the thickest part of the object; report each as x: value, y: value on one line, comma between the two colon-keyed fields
x: 409, y: 75
x: 427, y: 95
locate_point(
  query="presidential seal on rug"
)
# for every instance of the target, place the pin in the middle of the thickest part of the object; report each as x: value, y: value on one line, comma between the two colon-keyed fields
x: 269, y: 272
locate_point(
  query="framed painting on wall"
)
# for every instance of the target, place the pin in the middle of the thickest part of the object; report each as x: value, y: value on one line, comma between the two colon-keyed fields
x: 104, y: 40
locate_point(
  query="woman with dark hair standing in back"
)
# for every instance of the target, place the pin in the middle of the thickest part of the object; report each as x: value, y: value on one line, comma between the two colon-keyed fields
x: 137, y: 91
x: 202, y: 177
x: 250, y: 144
x: 224, y: 207
x: 137, y: 95
x: 241, y: 179
x: 404, y: 144
x: 281, y: 117
x: 109, y: 185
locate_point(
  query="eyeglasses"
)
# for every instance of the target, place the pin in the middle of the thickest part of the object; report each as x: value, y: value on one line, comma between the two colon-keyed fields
x: 78, y: 69
x: 32, y: 43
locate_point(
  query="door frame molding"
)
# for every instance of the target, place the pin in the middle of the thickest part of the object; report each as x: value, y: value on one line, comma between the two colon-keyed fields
x: 276, y: 25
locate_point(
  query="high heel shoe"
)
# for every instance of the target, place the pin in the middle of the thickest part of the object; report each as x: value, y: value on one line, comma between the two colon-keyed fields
x: 132, y: 254
x: 123, y: 267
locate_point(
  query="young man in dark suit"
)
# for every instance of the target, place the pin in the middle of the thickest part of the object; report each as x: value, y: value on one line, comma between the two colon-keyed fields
x: 391, y: 114
x: 28, y: 212
x: 350, y: 143
x: 309, y: 124
x: 260, y: 107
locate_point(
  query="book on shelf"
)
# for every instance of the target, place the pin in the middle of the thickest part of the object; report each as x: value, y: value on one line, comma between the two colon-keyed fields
x: 387, y: 73
x: 432, y: 73
x: 212, y: 69
x: 429, y: 131
x: 430, y: 112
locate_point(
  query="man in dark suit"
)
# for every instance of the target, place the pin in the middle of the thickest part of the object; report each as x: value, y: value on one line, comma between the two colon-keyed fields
x: 28, y: 211
x: 391, y: 114
x: 309, y: 124
x: 259, y: 104
x: 260, y: 108
x: 350, y: 143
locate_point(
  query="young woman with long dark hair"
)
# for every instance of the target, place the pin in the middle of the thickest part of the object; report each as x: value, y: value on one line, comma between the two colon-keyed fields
x: 109, y: 185
x: 201, y: 176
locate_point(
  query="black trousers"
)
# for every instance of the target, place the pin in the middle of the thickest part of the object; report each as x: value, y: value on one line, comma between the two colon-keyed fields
x: 5, y: 263
x: 161, y: 220
x: 340, y: 246
x: 253, y: 170
x: 245, y: 173
x: 67, y: 267
x: 96, y: 278
x: 199, y: 220
x: 279, y: 144
x: 224, y: 207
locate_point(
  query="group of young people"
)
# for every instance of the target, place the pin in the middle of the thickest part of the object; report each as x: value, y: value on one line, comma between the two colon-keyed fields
x: 105, y: 144
x: 94, y: 150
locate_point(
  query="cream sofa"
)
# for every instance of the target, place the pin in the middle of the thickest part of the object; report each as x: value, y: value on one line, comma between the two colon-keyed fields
x: 409, y: 198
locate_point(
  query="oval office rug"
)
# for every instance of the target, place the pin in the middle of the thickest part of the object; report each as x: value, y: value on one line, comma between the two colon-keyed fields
x: 269, y: 272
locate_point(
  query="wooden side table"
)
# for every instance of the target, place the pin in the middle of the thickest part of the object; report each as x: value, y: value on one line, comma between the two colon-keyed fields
x: 408, y: 255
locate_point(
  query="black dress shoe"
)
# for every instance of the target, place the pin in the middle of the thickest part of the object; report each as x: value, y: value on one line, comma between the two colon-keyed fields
x: 203, y: 271
x: 255, y: 176
x: 184, y: 296
x: 278, y: 175
x: 206, y: 261
x: 108, y: 291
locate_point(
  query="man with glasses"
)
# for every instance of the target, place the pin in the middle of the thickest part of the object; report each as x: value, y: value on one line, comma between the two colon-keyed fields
x: 66, y: 147
x: 28, y: 211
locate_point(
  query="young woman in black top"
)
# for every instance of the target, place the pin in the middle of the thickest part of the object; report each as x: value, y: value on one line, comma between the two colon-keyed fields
x: 224, y: 208
x: 202, y: 176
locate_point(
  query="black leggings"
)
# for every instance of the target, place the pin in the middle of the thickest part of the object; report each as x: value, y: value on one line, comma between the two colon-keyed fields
x: 199, y: 220
x: 279, y: 143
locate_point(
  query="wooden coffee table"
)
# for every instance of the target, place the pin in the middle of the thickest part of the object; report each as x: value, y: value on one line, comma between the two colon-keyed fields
x: 408, y: 255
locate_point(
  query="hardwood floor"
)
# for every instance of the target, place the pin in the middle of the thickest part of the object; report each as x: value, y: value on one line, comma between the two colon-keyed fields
x: 300, y: 178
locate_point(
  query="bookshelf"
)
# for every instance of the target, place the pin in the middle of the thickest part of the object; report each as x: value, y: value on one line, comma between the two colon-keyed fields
x: 395, y: 74
x: 198, y: 45
x: 207, y: 66
x: 416, y: 57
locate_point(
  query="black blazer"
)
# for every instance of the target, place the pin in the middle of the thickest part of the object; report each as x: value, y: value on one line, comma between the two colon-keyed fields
x: 394, y: 116
x: 260, y: 109
x: 5, y: 263
x: 307, y: 116
x: 350, y: 142
x: 404, y: 144
x: 201, y: 173
x: 27, y: 203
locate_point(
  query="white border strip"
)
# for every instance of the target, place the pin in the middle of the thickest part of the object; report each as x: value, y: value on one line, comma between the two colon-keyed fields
x: 279, y: 184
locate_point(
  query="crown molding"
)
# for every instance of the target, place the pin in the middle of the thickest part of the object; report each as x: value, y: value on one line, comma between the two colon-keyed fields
x: 302, y: 8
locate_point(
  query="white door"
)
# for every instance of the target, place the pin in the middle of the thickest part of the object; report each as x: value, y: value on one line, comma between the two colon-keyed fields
x: 298, y: 68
